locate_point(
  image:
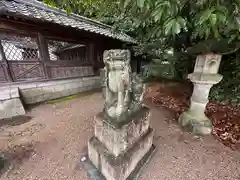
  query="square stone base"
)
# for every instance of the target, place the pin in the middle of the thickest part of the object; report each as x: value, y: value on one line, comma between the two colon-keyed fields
x: 95, y: 174
x: 194, y: 124
x: 118, y: 138
x: 122, y: 166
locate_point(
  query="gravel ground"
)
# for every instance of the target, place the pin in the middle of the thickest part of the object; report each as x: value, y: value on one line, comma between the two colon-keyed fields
x: 57, y: 135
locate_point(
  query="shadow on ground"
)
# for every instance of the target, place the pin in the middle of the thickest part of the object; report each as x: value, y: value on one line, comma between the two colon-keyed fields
x: 13, y: 157
x: 14, y: 121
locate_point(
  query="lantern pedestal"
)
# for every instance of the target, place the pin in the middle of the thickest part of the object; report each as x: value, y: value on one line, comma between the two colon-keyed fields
x: 203, y: 78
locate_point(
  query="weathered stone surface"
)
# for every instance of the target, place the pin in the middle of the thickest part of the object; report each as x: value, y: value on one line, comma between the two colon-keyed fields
x: 207, y: 63
x: 122, y: 136
x: 123, y: 90
x: 8, y: 93
x: 195, y: 124
x: 4, y: 96
x: 203, y: 78
x: 48, y: 89
x: 45, y: 91
x: 118, y: 168
x: 10, y: 104
x: 24, y: 85
x: 14, y: 92
x: 118, y: 139
x: 31, y: 92
x: 11, y: 107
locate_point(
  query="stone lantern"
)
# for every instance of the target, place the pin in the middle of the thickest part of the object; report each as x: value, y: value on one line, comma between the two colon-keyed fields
x: 205, y: 75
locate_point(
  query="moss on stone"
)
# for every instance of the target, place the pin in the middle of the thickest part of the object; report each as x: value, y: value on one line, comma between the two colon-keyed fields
x: 66, y: 98
x: 125, y: 119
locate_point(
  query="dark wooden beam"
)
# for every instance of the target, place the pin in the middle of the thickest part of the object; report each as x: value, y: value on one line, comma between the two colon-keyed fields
x: 49, y: 30
x: 45, y: 30
x: 66, y: 63
x: 6, y: 68
x: 14, y: 27
x: 43, y: 49
x: 91, y: 55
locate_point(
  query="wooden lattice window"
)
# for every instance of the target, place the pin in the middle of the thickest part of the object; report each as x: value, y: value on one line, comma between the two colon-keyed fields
x: 22, y: 55
x: 59, y: 50
x: 20, y: 48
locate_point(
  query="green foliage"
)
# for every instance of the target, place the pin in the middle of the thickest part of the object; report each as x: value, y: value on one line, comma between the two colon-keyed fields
x: 89, y: 8
x: 169, y: 20
x: 202, y: 19
x: 161, y: 70
x: 170, y: 66
x: 186, y: 27
x: 140, y: 3
x: 228, y: 90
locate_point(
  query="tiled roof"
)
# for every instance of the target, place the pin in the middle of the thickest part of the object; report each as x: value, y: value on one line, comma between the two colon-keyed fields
x: 34, y: 10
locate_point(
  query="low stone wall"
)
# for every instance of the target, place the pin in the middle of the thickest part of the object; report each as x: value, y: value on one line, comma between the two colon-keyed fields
x: 10, y: 103
x: 35, y: 92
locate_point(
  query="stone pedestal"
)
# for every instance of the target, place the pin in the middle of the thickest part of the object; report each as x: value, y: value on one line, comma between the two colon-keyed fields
x: 195, y: 120
x: 204, y: 77
x: 117, y: 149
x: 122, y: 141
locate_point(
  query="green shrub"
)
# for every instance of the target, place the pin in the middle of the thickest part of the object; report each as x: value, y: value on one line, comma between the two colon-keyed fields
x: 228, y: 90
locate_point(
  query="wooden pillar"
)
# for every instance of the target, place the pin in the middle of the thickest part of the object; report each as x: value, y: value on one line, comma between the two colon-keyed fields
x: 6, y: 69
x: 92, y: 56
x: 43, y: 50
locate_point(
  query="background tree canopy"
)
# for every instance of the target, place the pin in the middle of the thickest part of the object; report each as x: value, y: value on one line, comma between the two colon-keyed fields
x: 165, y: 21
x: 172, y: 32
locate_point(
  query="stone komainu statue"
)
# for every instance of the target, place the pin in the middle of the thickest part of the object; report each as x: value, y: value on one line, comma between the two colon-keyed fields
x: 123, y: 90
